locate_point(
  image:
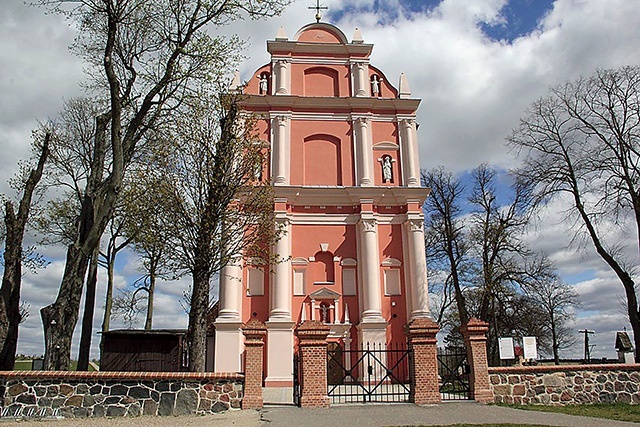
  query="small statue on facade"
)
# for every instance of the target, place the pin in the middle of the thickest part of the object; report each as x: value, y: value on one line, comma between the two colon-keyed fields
x: 264, y: 84
x: 387, y: 174
x: 375, y: 85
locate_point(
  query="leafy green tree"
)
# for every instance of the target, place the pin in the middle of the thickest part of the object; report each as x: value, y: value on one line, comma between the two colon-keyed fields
x: 216, y: 205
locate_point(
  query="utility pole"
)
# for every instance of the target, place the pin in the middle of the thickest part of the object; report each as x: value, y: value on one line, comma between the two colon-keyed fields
x: 587, y: 348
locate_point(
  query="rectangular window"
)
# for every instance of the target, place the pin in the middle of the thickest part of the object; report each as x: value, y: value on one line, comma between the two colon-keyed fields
x: 255, y: 279
x: 298, y: 282
x: 348, y: 281
x: 392, y: 281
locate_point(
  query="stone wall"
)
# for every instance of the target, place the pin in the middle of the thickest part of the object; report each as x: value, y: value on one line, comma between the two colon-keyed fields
x: 566, y: 385
x: 117, y: 394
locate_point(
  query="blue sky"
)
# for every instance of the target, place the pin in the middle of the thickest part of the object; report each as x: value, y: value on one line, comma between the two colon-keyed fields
x: 476, y: 64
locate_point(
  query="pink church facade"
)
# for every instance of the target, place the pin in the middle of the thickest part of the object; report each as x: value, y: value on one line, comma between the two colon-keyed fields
x: 344, y: 165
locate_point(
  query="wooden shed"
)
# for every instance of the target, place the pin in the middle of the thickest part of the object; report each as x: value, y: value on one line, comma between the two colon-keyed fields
x: 159, y: 350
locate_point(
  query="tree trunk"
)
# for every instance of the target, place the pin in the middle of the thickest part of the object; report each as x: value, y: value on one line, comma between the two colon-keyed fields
x: 108, y: 301
x: 59, y: 319
x: 15, y: 223
x: 10, y: 291
x: 554, y: 343
x: 150, y: 293
x: 198, y: 320
x: 89, y: 308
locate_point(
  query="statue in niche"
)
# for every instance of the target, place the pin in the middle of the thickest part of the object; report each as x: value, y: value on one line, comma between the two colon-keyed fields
x: 264, y: 84
x: 375, y: 85
x: 387, y: 173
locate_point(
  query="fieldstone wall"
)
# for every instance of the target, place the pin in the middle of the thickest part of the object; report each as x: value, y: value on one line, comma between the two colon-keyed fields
x: 566, y: 385
x: 117, y: 394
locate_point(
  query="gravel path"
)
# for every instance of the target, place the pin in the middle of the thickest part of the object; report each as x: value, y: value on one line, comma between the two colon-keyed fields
x: 351, y: 416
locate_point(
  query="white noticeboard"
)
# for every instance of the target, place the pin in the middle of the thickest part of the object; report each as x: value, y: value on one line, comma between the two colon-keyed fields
x: 506, y: 348
x: 530, y: 347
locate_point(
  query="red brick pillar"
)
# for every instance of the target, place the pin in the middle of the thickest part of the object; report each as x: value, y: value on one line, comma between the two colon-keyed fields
x: 254, y: 332
x: 475, y: 340
x: 312, y: 343
x: 423, y: 365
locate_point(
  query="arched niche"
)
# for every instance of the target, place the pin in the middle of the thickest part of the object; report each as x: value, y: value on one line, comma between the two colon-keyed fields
x: 322, y: 160
x: 323, y: 270
x: 321, y: 81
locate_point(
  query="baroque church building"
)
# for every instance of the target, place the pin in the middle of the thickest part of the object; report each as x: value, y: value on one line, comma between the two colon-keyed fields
x: 344, y: 164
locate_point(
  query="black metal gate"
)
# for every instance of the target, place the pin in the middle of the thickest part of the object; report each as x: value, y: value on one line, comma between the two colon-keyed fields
x: 453, y: 371
x: 371, y: 374
x: 296, y: 379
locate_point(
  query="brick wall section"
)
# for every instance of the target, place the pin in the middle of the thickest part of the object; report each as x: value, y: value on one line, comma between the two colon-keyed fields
x: 475, y: 340
x: 423, y: 365
x: 566, y: 384
x: 254, y: 333
x: 115, y: 394
x: 312, y: 345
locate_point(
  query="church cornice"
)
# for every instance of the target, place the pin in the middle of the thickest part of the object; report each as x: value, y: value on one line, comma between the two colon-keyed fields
x: 284, y: 48
x: 332, y: 104
x: 318, y: 195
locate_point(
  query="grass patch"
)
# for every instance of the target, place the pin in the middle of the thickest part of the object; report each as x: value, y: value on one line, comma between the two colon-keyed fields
x: 26, y: 364
x: 610, y: 411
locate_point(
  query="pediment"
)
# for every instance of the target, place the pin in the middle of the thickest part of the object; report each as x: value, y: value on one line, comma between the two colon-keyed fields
x: 386, y: 145
x: 324, y: 293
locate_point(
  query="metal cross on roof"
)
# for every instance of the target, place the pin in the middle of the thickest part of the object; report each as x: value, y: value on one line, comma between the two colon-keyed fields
x: 318, y: 8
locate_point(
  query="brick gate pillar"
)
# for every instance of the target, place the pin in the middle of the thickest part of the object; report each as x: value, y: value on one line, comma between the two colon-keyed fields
x: 475, y: 340
x: 254, y: 332
x: 423, y: 364
x: 312, y: 343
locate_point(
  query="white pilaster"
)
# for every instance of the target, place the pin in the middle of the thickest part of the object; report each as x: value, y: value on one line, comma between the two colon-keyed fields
x: 414, y: 235
x: 409, y: 145
x: 359, y: 72
x: 281, y: 130
x: 363, y: 151
x: 283, y: 77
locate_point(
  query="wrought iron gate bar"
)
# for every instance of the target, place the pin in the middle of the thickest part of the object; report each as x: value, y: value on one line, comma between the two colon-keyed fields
x: 371, y: 374
x: 453, y: 371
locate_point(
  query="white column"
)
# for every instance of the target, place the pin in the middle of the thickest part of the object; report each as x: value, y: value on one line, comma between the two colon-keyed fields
x: 282, y: 76
x: 410, y: 165
x: 414, y: 233
x: 371, y: 294
x: 364, y: 153
x: 281, y: 285
x: 359, y: 77
x: 280, y: 125
x: 231, y: 289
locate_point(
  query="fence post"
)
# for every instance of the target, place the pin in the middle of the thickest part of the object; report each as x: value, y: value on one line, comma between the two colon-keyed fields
x: 254, y: 332
x: 423, y: 363
x: 475, y: 340
x: 312, y: 342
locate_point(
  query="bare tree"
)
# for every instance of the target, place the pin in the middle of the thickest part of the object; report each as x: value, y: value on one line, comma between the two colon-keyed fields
x: 558, y: 302
x: 582, y: 141
x: 445, y: 240
x: 11, y: 310
x: 146, y: 56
